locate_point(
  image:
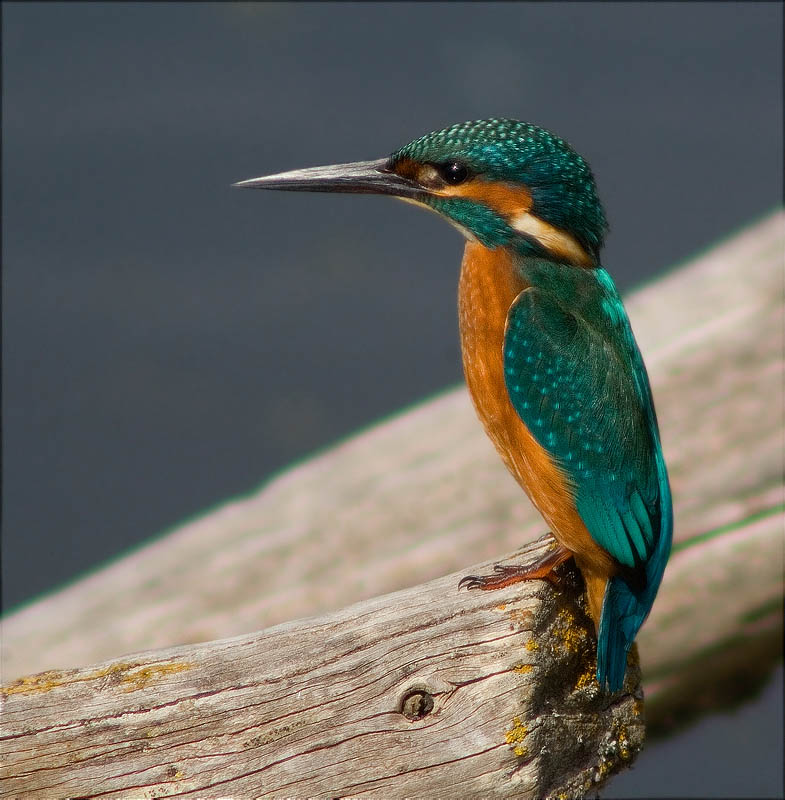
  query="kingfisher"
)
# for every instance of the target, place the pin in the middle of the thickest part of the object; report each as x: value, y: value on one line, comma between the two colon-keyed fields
x: 550, y: 360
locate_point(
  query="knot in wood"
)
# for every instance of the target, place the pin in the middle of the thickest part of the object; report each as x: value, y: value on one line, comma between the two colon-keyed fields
x: 416, y: 704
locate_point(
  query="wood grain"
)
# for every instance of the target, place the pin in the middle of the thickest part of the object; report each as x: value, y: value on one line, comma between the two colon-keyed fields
x: 428, y: 692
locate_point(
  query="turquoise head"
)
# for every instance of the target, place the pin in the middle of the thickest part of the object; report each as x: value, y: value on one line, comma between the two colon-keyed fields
x: 502, y: 182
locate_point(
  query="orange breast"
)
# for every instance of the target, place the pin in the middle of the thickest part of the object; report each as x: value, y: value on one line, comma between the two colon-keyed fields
x: 488, y: 286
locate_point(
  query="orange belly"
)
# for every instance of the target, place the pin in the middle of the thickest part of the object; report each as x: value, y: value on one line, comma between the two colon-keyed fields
x: 488, y: 286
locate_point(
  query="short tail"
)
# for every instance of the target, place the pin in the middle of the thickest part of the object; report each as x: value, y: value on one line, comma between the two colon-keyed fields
x: 624, y: 610
x: 623, y: 613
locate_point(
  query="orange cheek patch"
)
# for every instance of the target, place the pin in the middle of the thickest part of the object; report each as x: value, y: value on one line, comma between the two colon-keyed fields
x: 503, y: 198
x: 506, y: 200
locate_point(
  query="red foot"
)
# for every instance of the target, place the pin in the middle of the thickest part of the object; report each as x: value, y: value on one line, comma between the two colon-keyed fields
x: 507, y: 575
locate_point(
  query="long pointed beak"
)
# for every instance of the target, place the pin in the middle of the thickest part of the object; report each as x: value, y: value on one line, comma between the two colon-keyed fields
x: 369, y: 177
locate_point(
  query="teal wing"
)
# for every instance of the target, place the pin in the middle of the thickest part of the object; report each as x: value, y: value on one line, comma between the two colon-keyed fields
x: 583, y: 392
x: 578, y: 393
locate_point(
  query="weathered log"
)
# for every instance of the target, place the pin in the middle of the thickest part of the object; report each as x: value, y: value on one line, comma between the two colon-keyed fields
x: 427, y: 692
x: 423, y: 494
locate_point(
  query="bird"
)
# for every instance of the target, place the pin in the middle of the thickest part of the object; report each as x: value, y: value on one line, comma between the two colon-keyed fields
x: 549, y: 357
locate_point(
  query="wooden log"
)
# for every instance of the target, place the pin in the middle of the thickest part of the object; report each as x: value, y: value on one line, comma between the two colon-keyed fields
x: 427, y: 692
x: 424, y: 493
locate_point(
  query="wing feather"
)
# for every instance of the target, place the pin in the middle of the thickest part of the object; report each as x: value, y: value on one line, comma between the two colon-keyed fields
x: 577, y: 390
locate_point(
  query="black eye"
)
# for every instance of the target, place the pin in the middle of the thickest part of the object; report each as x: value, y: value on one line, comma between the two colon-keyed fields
x: 453, y: 172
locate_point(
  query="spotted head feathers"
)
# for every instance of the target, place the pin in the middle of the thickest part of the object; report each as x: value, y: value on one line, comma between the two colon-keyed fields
x: 507, y: 182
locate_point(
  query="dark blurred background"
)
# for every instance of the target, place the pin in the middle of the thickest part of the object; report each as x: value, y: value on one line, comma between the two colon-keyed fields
x: 169, y: 342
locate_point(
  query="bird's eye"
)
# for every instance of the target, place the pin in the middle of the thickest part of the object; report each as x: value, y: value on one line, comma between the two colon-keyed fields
x: 453, y: 172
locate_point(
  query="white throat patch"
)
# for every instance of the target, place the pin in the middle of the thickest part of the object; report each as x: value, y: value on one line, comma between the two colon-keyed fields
x: 552, y: 239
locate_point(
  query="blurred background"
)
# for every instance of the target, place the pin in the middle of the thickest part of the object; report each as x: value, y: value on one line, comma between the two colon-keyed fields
x: 159, y: 326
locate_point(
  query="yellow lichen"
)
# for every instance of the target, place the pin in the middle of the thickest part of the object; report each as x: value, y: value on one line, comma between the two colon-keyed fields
x: 42, y: 682
x: 624, y: 749
x: 522, y: 669
x: 531, y: 645
x: 501, y: 607
x: 587, y: 677
x: 571, y: 634
x: 140, y: 678
x: 516, y: 735
x: 603, y: 768
x: 134, y: 673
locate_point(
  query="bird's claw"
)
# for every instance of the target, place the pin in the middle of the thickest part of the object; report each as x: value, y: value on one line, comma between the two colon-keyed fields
x: 470, y: 582
x: 503, y: 575
x: 507, y: 574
